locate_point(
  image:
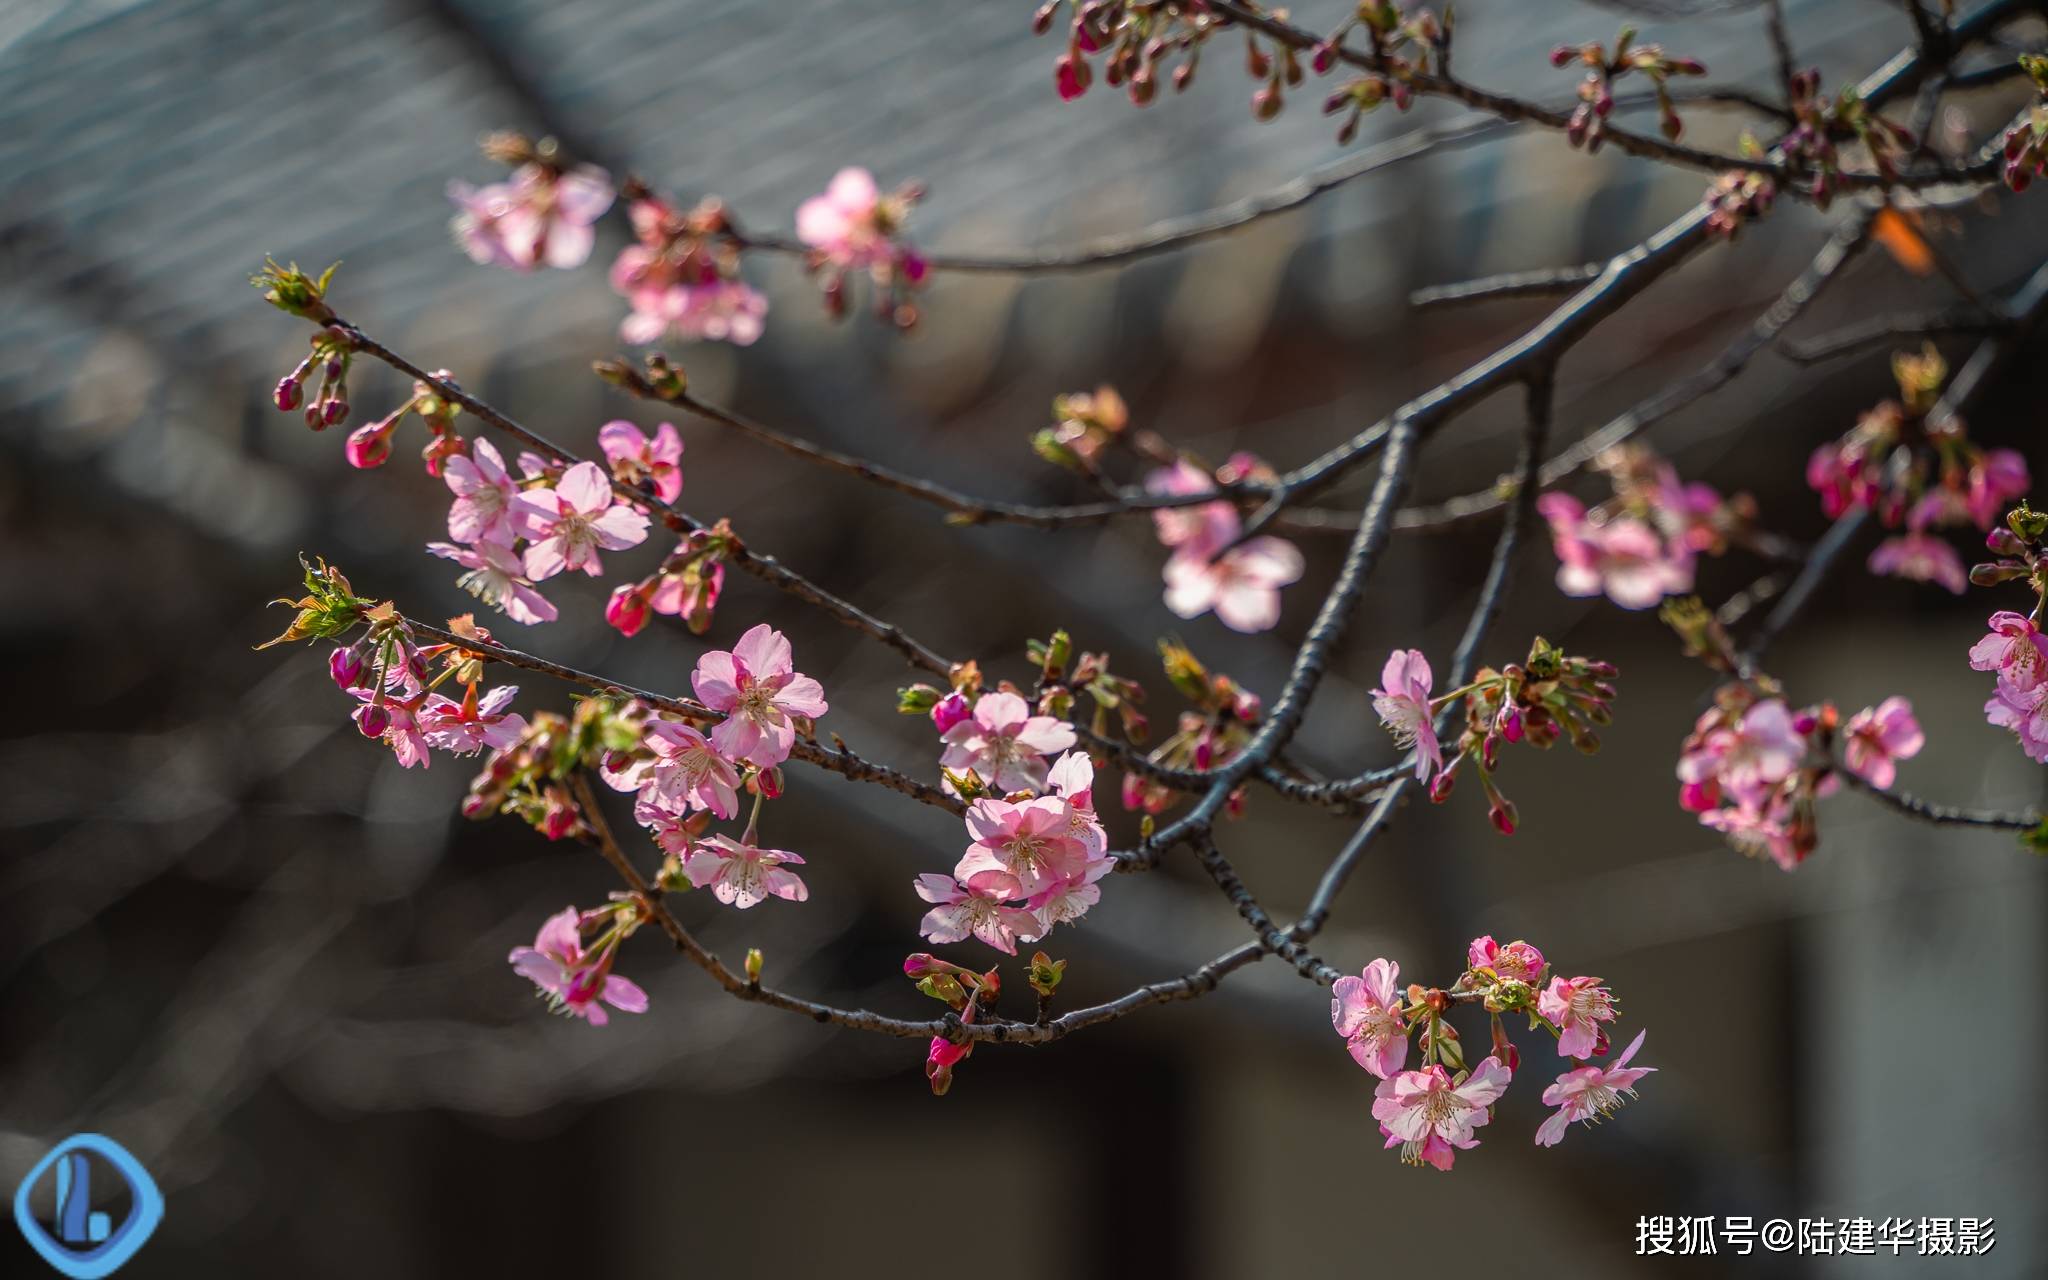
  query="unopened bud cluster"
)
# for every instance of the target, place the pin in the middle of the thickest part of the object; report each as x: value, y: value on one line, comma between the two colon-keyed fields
x: 1431, y: 1113
x: 1588, y: 124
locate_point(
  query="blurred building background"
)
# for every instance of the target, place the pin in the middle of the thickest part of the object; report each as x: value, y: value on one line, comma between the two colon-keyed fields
x: 242, y: 941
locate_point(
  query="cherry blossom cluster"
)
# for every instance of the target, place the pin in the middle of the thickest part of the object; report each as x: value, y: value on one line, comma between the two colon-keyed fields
x: 1213, y: 566
x: 1401, y: 43
x: 855, y: 227
x: 1587, y: 127
x: 1032, y: 863
x: 1551, y: 696
x: 682, y: 779
x: 1753, y: 767
x: 544, y: 213
x: 2026, y: 144
x: 1640, y: 545
x: 2015, y: 649
x: 681, y: 275
x: 1736, y: 198
x: 576, y: 978
x: 1431, y: 1112
x: 392, y: 677
x: 1917, y: 472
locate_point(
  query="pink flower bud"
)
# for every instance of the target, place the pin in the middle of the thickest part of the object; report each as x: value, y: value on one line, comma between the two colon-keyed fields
x: 628, y: 608
x: 373, y: 719
x: 370, y: 444
x: 1324, y: 58
x: 346, y: 665
x: 333, y: 411
x: 950, y: 710
x: 1502, y: 815
x: 288, y: 394
x: 1563, y: 54
x: 1510, y: 722
x: 770, y: 782
x: 1071, y: 77
x: 923, y: 964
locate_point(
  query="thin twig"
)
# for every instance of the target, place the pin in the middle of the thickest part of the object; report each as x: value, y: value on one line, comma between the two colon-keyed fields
x: 1542, y: 283
x: 1944, y: 814
x: 1623, y: 140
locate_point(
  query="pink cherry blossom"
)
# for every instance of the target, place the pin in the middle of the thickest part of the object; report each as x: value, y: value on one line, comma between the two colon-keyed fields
x: 1589, y: 1095
x: 574, y: 981
x: 473, y: 724
x: 717, y: 310
x: 482, y: 510
x: 1208, y: 525
x: 1367, y: 1012
x: 393, y: 720
x: 1747, y: 760
x: 1999, y: 477
x: 1876, y: 738
x: 1921, y: 557
x: 1844, y: 478
x: 683, y: 772
x: 848, y: 224
x: 1067, y: 899
x: 1072, y: 778
x: 1242, y: 584
x: 498, y: 578
x: 1004, y: 743
x: 2015, y: 649
x: 757, y: 687
x: 539, y: 215
x: 1759, y: 831
x: 634, y: 457
x: 1402, y: 701
x: 742, y: 875
x: 1430, y: 1118
x: 1624, y: 558
x: 1515, y: 961
x: 978, y: 908
x: 1028, y: 840
x: 2026, y: 714
x: 1577, y: 1007
x: 571, y: 522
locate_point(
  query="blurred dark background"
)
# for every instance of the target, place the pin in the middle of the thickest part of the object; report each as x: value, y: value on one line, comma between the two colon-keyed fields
x: 242, y: 941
